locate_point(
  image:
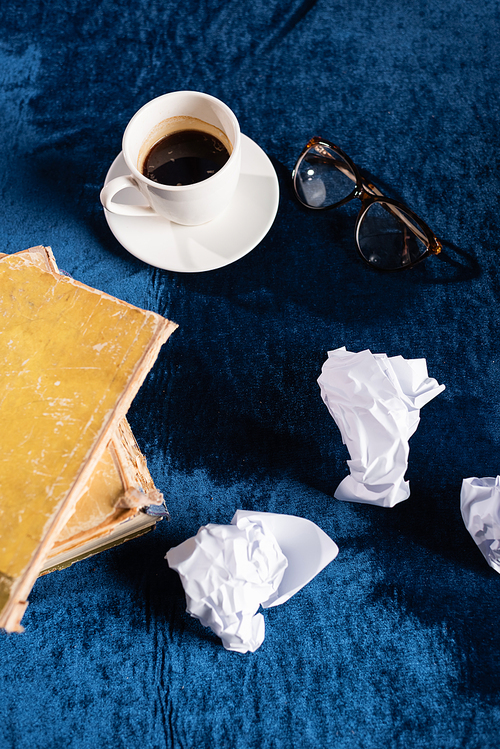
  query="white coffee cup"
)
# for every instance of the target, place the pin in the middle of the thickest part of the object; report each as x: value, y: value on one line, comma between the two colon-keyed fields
x: 190, y: 204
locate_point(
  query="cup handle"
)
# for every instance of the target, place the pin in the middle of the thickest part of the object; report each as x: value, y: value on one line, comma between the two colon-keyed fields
x: 122, y: 209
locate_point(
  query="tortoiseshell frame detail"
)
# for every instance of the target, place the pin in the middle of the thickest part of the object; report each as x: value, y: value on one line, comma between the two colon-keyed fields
x: 368, y: 194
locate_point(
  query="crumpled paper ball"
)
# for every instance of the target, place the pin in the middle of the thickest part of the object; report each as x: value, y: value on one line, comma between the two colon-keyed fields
x: 227, y: 572
x: 480, y: 506
x: 375, y: 401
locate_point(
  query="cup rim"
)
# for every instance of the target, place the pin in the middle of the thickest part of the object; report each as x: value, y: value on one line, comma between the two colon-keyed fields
x: 182, y: 188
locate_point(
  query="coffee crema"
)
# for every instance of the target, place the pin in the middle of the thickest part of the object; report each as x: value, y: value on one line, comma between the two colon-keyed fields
x: 184, y: 157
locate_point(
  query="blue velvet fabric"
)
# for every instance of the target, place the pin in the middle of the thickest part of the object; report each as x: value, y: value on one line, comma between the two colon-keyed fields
x: 396, y: 643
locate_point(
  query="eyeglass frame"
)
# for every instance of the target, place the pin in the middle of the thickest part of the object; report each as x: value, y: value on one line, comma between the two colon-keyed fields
x: 368, y: 194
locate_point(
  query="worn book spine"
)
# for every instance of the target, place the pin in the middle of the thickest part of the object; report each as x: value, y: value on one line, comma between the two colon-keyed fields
x: 119, y: 488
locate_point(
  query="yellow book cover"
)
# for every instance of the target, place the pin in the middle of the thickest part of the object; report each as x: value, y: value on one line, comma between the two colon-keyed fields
x: 72, y: 360
x: 120, y: 501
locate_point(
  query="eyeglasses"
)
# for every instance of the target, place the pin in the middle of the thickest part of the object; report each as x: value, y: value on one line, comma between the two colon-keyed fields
x: 389, y: 236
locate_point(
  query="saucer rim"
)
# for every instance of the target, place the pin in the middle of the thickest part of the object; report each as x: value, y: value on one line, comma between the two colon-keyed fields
x: 241, y: 251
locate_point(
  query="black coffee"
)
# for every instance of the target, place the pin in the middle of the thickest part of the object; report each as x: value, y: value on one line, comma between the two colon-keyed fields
x: 184, y: 158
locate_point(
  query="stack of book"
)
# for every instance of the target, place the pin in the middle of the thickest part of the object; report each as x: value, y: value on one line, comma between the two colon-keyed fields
x: 72, y: 478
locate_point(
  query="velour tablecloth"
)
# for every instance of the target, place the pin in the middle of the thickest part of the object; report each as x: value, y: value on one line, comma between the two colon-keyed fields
x: 396, y: 643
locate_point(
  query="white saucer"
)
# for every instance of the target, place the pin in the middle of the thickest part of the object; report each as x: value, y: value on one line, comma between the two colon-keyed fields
x: 190, y: 249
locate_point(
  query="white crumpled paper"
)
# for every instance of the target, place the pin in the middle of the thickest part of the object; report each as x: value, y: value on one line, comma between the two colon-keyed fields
x: 480, y: 506
x: 261, y: 559
x: 375, y: 401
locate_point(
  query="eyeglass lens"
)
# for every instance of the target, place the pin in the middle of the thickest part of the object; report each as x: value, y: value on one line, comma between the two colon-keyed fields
x: 323, y: 177
x: 388, y: 237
